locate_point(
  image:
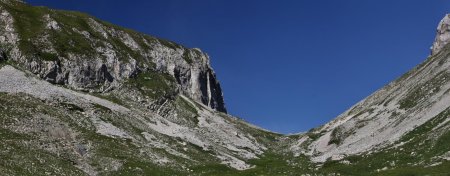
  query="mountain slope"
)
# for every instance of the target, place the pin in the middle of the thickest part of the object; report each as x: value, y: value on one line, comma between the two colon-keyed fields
x: 80, y: 96
x: 94, y: 98
x: 403, y: 114
x: 99, y: 136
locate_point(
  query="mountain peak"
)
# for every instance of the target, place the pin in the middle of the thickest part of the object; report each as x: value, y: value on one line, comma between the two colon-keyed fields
x: 442, y: 36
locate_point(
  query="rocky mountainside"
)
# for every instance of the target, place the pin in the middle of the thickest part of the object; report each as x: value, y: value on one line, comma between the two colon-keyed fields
x: 80, y: 96
x: 408, y: 118
x: 83, y: 53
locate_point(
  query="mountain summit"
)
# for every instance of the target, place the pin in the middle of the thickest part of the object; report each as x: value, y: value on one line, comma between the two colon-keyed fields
x: 80, y: 96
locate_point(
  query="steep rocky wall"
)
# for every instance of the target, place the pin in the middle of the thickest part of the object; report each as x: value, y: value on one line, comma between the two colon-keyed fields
x: 84, y: 53
x: 442, y: 36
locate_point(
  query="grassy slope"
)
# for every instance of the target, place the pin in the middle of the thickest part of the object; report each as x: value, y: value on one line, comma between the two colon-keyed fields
x: 413, y: 158
x: 24, y: 154
x: 31, y: 27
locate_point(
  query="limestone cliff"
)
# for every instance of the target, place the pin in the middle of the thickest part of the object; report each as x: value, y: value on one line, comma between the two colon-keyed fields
x: 83, y: 53
x: 442, y: 36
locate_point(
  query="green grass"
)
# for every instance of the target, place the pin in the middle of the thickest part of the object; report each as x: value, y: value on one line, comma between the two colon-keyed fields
x: 23, y: 160
x: 48, y: 56
x: 279, y: 163
x: 101, y: 108
x: 30, y: 26
x: 273, y: 162
x: 186, y: 111
x: 422, y: 92
x: 336, y: 135
x: 26, y: 24
x: 111, y: 97
x: 155, y: 85
x: 314, y: 136
x: 418, y: 141
x: 187, y: 57
x: 18, y: 153
x: 135, y: 167
x: 72, y: 107
x: 169, y: 44
x: 186, y: 105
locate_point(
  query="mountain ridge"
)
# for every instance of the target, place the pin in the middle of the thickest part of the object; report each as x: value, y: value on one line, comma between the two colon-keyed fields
x: 83, y: 97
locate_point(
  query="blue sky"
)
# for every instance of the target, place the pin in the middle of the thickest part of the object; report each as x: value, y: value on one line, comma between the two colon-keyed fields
x: 289, y: 65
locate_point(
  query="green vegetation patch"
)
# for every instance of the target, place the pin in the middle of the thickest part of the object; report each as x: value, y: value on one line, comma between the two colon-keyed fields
x: 110, y: 97
x: 269, y: 164
x: 187, y: 56
x: 314, y: 136
x: 169, y: 44
x: 155, y: 85
x: 335, y: 137
x: 48, y: 56
x: 424, y: 91
x: 101, y: 108
x: 413, y: 158
x: 72, y: 107
x: 28, y: 24
x: 18, y: 151
x: 182, y: 103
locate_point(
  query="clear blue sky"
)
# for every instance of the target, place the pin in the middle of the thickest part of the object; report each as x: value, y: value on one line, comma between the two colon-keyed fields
x: 289, y: 65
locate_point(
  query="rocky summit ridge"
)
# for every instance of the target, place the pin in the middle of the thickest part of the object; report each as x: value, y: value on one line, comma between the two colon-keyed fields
x: 80, y: 96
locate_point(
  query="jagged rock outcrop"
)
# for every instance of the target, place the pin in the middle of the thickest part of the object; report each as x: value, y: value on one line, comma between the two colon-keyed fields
x: 442, y: 36
x: 99, y: 57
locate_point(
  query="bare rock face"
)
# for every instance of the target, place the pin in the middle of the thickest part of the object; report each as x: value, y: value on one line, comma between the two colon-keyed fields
x: 99, y: 57
x: 198, y: 78
x: 442, y: 36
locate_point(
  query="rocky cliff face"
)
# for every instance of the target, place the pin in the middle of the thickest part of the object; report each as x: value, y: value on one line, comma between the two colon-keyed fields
x: 91, y: 98
x: 442, y: 36
x: 83, y: 53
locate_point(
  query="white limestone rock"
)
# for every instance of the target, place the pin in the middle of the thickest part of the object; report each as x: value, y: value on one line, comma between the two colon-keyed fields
x: 442, y: 36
